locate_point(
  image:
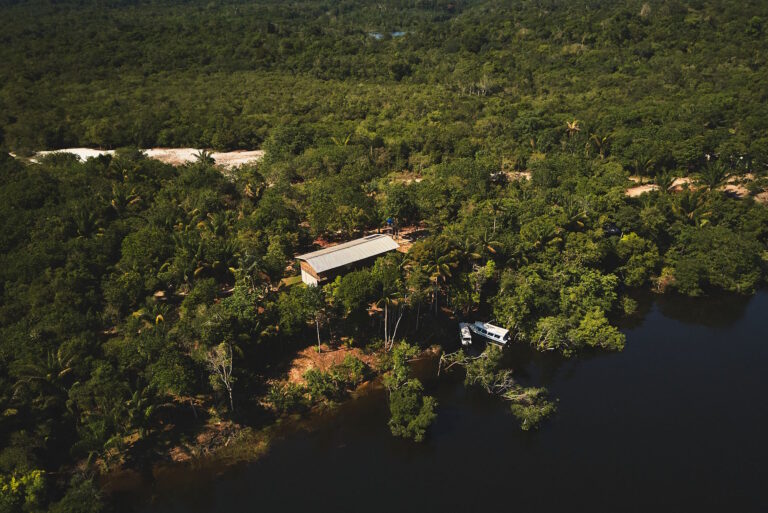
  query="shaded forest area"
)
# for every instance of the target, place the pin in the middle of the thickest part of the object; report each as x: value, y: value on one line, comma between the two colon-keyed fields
x: 143, y: 303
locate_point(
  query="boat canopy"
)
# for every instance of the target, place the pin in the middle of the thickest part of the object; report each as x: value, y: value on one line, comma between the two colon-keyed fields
x: 491, y: 332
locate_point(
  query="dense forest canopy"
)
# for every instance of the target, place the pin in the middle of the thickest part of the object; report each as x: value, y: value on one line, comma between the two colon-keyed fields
x: 668, y: 80
x: 143, y: 301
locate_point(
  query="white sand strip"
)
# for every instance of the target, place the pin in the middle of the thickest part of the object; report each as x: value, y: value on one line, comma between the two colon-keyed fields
x: 173, y: 156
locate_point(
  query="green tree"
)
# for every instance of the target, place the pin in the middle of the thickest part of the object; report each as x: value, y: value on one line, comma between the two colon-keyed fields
x: 411, y: 411
x: 595, y: 331
x: 713, y: 175
x: 640, y: 257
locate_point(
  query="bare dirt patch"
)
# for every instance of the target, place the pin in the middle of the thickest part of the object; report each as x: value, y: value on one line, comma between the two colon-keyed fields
x: 735, y: 186
x: 736, y: 190
x: 81, y: 153
x: 173, y: 156
x: 405, y: 177
x: 237, y: 158
x: 514, y: 176
x: 681, y: 183
x: 309, y: 358
x: 638, y: 190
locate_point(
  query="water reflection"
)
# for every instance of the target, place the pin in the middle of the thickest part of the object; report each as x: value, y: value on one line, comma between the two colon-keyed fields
x: 716, y: 311
x: 673, y: 423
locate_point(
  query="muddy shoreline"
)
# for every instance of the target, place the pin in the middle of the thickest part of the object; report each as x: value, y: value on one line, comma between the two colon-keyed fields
x: 139, y: 485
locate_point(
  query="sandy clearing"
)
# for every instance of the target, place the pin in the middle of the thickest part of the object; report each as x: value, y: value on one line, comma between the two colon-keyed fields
x: 735, y: 185
x: 514, y: 176
x: 736, y: 189
x: 173, y: 156
x: 677, y: 185
x: 740, y: 178
x: 682, y: 182
x: 82, y: 153
x: 636, y: 191
x: 238, y: 157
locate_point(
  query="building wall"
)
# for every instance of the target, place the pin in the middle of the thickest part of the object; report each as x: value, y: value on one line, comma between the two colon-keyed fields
x: 308, y: 278
x: 312, y: 278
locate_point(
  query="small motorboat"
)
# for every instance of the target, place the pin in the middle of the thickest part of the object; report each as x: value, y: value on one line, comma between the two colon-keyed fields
x: 492, y: 333
x: 465, y: 335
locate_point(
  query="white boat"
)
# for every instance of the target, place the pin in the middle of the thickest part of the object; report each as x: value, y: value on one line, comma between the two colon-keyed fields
x: 492, y: 333
x: 465, y: 335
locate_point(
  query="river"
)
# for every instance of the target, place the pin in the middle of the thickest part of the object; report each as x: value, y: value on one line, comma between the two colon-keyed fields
x: 674, y: 423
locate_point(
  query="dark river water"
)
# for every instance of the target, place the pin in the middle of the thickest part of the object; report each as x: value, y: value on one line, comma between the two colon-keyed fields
x: 677, y: 422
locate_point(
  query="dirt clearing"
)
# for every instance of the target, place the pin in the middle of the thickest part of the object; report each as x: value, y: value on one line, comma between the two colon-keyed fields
x: 173, y: 156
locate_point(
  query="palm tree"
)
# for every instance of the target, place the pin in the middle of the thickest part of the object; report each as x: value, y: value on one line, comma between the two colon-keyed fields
x: 152, y: 315
x: 217, y: 223
x: 341, y: 142
x: 690, y: 205
x: 249, y: 270
x: 599, y: 144
x: 86, y: 222
x: 439, y: 272
x: 139, y: 410
x: 642, y: 166
x: 664, y: 181
x: 123, y: 197
x: 418, y: 286
x: 192, y: 217
x: 389, y: 298
x: 541, y: 234
x: 227, y: 254
x: 714, y: 175
x: 253, y: 190
x: 487, y: 246
x: 46, y: 379
x: 465, y: 251
x: 572, y: 127
x: 575, y: 215
x: 204, y: 157
x: 496, y: 207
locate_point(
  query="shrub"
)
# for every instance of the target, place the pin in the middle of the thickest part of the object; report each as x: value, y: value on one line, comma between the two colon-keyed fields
x: 287, y: 397
x: 531, y: 407
x: 351, y: 372
x: 323, y: 385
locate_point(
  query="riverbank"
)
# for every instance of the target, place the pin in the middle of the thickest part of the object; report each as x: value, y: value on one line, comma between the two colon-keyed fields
x: 633, y: 421
x: 224, y: 445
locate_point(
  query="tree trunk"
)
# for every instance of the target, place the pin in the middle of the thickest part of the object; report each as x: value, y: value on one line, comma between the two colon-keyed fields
x: 386, y: 327
x: 399, y: 318
x: 317, y: 325
x: 229, y: 378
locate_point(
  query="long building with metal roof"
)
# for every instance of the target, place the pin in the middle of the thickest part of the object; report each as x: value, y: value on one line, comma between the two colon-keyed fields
x: 326, y: 263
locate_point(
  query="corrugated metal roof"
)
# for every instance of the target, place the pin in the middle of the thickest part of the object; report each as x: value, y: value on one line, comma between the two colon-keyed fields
x: 349, y: 252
